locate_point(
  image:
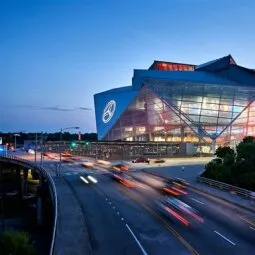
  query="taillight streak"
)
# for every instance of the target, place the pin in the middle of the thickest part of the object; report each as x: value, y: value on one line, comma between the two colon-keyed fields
x: 171, y: 191
x: 177, y: 216
x: 179, y: 190
x: 192, y: 214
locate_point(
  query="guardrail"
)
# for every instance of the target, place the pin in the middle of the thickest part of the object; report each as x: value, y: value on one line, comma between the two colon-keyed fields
x: 221, y: 185
x: 53, y: 191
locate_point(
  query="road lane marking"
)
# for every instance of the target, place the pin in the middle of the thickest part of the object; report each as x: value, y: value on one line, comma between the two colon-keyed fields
x: 137, y: 241
x: 249, y: 222
x: 160, y: 219
x: 224, y: 237
x: 252, y: 228
x: 197, y: 201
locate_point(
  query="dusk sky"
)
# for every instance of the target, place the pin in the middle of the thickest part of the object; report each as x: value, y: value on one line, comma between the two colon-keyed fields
x: 56, y: 54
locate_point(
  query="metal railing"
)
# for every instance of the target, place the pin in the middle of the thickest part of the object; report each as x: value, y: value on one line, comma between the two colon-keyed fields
x: 42, y: 172
x: 224, y: 186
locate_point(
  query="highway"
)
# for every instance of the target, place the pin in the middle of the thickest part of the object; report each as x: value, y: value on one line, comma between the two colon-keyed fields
x: 127, y: 220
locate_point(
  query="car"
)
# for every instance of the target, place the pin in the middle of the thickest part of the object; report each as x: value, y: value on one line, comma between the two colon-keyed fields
x: 87, y: 163
x: 120, y: 167
x: 124, y: 179
x: 66, y: 154
x: 179, y: 211
x: 159, y: 160
x: 141, y: 160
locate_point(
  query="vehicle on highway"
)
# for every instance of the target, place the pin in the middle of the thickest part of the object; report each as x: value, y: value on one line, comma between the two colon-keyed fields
x: 31, y: 151
x: 120, y: 167
x: 103, y: 162
x: 87, y: 163
x: 124, y: 179
x: 179, y: 211
x: 173, y: 190
x: 66, y: 154
x: 141, y: 160
x: 88, y: 179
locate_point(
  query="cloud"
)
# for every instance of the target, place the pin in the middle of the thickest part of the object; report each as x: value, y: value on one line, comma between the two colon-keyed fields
x: 84, y: 108
x: 53, y: 108
x: 56, y: 108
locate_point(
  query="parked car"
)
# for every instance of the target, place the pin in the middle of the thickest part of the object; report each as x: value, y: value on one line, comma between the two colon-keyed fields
x: 159, y: 160
x: 141, y: 160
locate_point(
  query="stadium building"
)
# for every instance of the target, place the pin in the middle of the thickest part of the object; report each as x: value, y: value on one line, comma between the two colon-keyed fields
x: 211, y: 103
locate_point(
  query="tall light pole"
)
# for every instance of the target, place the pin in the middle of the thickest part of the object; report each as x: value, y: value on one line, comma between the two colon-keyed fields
x: 15, y: 135
x: 61, y: 141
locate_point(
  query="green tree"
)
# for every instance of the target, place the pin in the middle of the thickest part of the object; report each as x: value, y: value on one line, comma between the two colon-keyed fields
x: 221, y: 152
x: 248, y: 139
x: 16, y: 243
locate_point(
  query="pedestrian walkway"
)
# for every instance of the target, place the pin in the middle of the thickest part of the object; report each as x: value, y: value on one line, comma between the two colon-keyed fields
x: 229, y: 196
x: 222, y: 194
x: 71, y: 235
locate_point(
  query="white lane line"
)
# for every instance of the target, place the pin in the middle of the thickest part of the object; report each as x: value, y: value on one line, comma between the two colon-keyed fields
x: 252, y: 228
x: 197, y: 201
x: 224, y: 237
x: 137, y: 241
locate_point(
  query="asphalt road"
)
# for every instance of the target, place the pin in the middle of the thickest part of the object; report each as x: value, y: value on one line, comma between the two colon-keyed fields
x: 225, y: 230
x: 125, y: 220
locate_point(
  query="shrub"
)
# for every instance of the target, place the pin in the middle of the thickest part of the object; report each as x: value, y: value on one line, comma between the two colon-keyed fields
x: 16, y: 243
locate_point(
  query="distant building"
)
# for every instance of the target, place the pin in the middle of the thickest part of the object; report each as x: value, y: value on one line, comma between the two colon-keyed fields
x: 212, y: 103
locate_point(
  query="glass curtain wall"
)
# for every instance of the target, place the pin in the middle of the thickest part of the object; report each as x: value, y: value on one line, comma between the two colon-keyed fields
x: 187, y: 112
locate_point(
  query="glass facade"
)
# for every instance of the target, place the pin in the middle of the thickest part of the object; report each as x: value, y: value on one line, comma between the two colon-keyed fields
x: 173, y: 111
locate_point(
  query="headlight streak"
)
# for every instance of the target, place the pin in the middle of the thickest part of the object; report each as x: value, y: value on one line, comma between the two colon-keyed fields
x: 84, y: 180
x: 94, y: 180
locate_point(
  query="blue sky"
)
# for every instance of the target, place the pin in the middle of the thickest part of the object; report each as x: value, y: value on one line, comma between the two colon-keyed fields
x: 56, y: 54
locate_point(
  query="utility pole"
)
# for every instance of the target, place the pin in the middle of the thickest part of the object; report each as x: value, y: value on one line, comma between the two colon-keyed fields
x: 42, y: 148
x: 35, y: 146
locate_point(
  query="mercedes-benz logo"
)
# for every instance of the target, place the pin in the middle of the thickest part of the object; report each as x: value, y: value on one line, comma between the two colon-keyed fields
x: 109, y: 111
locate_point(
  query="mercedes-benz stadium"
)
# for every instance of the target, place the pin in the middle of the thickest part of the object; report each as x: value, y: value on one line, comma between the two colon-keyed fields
x: 211, y: 103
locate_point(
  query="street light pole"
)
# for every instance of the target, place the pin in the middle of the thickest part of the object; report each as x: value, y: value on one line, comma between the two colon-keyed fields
x: 15, y: 135
x: 41, y: 148
x: 60, y: 145
x: 35, y: 146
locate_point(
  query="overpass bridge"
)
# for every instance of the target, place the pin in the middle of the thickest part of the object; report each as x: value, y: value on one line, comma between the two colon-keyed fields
x: 46, y: 195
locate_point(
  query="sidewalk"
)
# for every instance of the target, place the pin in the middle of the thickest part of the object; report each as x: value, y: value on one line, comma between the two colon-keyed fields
x: 221, y: 194
x: 71, y: 234
x: 243, y: 202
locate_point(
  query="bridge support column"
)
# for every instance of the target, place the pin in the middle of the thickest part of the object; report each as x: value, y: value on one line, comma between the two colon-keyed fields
x: 19, y: 183
x: 39, y: 207
x: 24, y: 181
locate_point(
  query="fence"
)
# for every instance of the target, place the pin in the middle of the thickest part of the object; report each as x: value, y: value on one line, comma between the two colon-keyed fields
x: 225, y: 186
x: 43, y: 173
